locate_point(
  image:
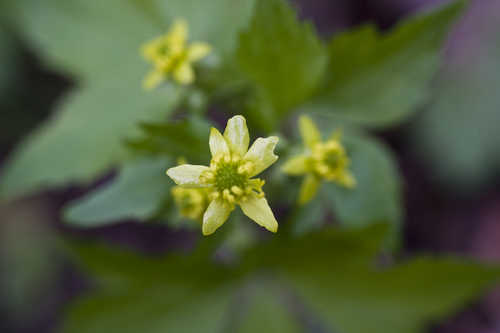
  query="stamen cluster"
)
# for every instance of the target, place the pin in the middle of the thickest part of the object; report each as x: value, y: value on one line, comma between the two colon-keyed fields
x: 330, y: 159
x: 229, y: 179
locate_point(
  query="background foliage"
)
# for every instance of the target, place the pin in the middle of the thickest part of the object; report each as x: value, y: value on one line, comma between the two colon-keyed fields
x: 270, y: 66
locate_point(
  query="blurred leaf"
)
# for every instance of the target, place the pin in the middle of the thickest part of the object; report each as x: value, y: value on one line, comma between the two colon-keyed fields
x: 84, y: 137
x: 216, y: 21
x: 309, y: 217
x: 99, y: 43
x: 282, y: 56
x: 379, y: 79
x: 186, y: 138
x: 8, y: 52
x: 136, y: 193
x: 140, y: 294
x: 377, y: 195
x: 403, y: 299
x: 334, y: 273
x: 82, y: 140
x: 458, y: 136
x: 268, y: 312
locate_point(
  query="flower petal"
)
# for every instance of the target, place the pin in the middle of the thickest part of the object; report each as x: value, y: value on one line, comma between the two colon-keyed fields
x: 258, y: 210
x: 153, y: 79
x: 217, y: 143
x: 261, y: 154
x: 309, y: 132
x: 184, y: 73
x: 297, y: 165
x: 187, y: 175
x: 215, y: 216
x: 236, y: 134
x: 198, y: 50
x: 347, y: 179
x: 308, y: 189
x: 178, y: 33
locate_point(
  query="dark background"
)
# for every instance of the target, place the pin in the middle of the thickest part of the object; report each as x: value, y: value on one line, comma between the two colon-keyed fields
x: 37, y: 283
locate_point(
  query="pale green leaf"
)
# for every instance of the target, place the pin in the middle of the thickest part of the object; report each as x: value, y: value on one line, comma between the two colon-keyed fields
x: 98, y: 42
x: 376, y: 198
x: 137, y: 193
x: 83, y: 139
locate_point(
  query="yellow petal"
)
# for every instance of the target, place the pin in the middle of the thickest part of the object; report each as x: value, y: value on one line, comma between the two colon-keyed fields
x: 215, y: 216
x: 198, y: 50
x: 309, y: 132
x: 153, y: 79
x: 297, y: 165
x: 261, y: 154
x: 184, y: 73
x: 178, y: 32
x: 217, y: 143
x: 258, y: 210
x: 236, y: 134
x: 308, y: 189
x: 187, y: 175
x: 347, y: 179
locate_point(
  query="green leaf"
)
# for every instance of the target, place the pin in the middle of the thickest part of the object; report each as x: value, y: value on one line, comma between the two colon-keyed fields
x: 8, y: 52
x: 99, y: 43
x: 216, y: 22
x: 137, y: 193
x: 83, y: 139
x: 334, y: 274
x: 282, y: 56
x: 403, y: 299
x: 377, y: 195
x: 138, y: 294
x: 186, y: 138
x: 458, y: 136
x: 379, y: 79
x: 309, y: 217
x: 331, y: 272
x: 267, y: 312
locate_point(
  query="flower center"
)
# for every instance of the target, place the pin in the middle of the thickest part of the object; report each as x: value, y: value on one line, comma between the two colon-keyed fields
x: 330, y: 159
x: 191, y: 202
x: 229, y: 179
x: 227, y: 176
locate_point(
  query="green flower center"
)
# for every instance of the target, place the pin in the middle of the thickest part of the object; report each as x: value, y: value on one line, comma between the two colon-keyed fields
x: 330, y: 159
x: 229, y: 179
x: 227, y: 176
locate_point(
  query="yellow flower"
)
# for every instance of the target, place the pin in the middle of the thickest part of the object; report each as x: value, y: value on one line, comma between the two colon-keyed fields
x: 321, y: 161
x: 229, y: 178
x: 171, y: 56
x: 191, y: 202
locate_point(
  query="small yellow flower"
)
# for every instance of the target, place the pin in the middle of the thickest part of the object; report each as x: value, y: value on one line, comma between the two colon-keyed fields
x: 229, y: 180
x: 321, y: 161
x: 171, y: 56
x: 191, y: 202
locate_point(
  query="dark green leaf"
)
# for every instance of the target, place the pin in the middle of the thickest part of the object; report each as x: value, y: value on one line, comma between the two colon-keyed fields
x: 282, y: 56
x: 268, y: 311
x: 404, y: 299
x: 379, y: 79
x: 332, y: 272
x: 140, y: 294
x: 187, y: 139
